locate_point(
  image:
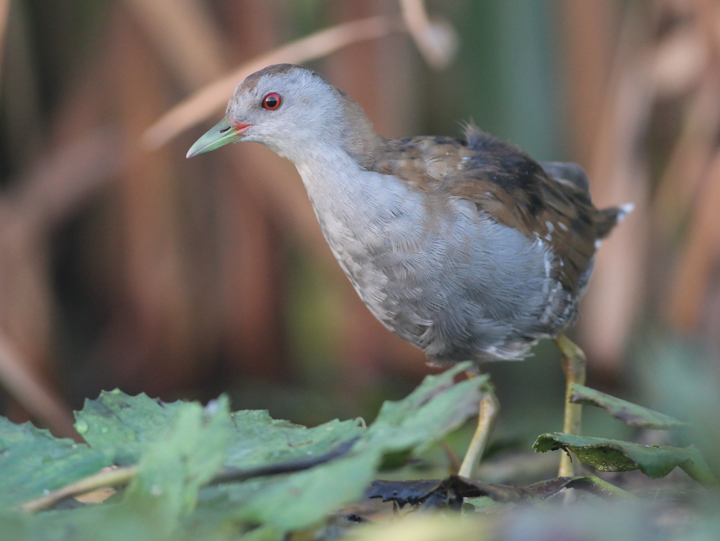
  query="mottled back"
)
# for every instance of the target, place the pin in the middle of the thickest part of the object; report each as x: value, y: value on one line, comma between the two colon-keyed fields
x: 515, y: 190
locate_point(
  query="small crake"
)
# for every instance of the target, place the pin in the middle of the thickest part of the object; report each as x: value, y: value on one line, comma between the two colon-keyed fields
x: 470, y: 250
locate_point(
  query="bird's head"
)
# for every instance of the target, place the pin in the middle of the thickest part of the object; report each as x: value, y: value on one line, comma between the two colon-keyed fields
x: 289, y: 109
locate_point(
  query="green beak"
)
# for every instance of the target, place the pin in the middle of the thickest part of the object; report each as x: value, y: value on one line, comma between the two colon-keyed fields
x: 224, y: 132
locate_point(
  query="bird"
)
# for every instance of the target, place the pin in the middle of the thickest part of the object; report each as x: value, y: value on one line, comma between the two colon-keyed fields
x: 467, y: 248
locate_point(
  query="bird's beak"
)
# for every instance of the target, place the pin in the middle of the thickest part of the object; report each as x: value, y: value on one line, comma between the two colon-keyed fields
x: 224, y: 132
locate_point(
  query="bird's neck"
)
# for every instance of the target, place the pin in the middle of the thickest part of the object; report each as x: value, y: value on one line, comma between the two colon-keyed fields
x: 357, y: 136
x: 348, y: 199
x: 335, y: 157
x: 331, y: 175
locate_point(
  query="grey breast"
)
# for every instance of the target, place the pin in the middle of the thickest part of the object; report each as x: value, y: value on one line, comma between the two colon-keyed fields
x: 443, y: 276
x: 460, y: 287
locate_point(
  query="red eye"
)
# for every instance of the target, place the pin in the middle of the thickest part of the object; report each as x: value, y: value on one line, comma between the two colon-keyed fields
x: 271, y: 101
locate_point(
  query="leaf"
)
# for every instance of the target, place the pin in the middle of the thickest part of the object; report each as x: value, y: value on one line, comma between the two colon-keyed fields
x: 627, y: 412
x: 445, y: 493
x: 411, y: 492
x: 437, y: 407
x: 188, y: 453
x: 170, y: 472
x: 304, y: 498
x: 608, y: 455
x: 179, y: 447
x: 124, y: 423
x: 259, y: 440
x: 188, y: 456
x: 453, y: 490
x: 128, y: 423
x: 593, y: 484
x: 32, y: 462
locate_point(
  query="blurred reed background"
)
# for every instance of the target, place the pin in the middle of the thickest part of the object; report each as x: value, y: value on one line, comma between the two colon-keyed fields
x: 122, y: 264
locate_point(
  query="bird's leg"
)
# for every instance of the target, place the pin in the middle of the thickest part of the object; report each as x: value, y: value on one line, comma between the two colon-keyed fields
x: 489, y: 407
x: 573, y: 361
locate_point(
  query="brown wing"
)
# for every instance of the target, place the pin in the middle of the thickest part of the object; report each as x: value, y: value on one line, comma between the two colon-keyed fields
x: 507, y: 184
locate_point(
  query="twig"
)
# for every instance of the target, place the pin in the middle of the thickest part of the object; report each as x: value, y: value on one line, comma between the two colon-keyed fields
x: 436, y: 40
x: 104, y: 478
x: 214, y: 96
x: 184, y: 33
x: 41, y: 198
x: 59, y: 183
x: 598, y: 486
x: 4, y: 11
x: 29, y: 390
x: 235, y: 475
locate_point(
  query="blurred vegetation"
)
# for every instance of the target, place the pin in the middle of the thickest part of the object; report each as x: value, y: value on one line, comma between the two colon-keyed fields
x: 128, y: 266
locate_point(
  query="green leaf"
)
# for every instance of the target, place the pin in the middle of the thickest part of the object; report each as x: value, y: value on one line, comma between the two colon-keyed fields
x: 179, y: 447
x: 259, y: 440
x: 302, y: 499
x: 608, y: 455
x: 438, y: 406
x: 186, y: 455
x: 125, y: 423
x: 434, y: 409
x: 627, y: 412
x: 593, y: 484
x: 172, y: 469
x: 33, y: 462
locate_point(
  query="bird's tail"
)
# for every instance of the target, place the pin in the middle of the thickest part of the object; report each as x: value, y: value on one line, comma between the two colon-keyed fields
x: 610, y: 217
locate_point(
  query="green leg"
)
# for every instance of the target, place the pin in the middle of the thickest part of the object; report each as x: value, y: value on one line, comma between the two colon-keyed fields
x: 574, y: 363
x: 489, y: 408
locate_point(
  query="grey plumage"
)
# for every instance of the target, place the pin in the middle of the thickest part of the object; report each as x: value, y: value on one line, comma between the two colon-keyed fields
x: 467, y: 249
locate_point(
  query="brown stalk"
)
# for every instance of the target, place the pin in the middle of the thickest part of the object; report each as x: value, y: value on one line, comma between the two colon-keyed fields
x: 250, y: 270
x: 155, y: 268
x: 679, y: 61
x: 46, y: 195
x: 4, y: 11
x: 698, y: 60
x: 587, y: 53
x: 184, y: 33
x: 619, y: 175
x: 680, y: 181
x: 214, y: 96
x: 436, y: 40
x: 701, y: 253
x: 34, y: 394
x: 63, y: 180
x: 37, y: 201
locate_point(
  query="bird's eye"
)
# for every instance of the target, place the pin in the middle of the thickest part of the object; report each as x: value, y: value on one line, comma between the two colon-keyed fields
x: 271, y: 101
